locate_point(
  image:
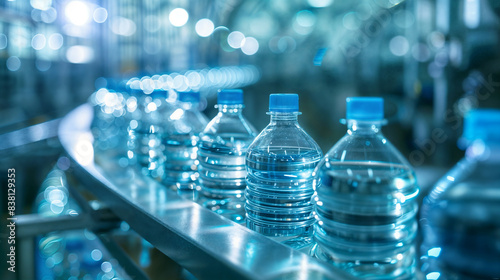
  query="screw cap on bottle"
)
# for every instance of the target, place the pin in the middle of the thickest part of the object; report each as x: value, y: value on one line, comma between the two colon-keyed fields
x: 284, y: 102
x: 482, y: 124
x: 230, y: 97
x: 189, y: 96
x: 365, y: 108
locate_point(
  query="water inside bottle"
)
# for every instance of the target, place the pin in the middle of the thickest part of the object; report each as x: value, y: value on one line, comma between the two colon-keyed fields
x: 145, y: 151
x: 464, y: 235
x: 181, y: 164
x: 222, y: 174
x: 279, y: 190
x: 365, y: 213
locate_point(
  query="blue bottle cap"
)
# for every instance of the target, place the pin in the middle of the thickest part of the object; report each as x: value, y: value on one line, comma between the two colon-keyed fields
x: 111, y: 83
x: 365, y: 108
x: 159, y: 93
x: 136, y: 92
x: 121, y: 86
x: 230, y: 96
x: 284, y: 102
x: 483, y: 124
x: 189, y: 96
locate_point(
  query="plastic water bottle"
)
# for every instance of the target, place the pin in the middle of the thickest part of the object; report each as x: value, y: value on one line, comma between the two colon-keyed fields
x: 280, y: 163
x: 147, y: 128
x: 365, y: 200
x: 181, y: 145
x: 109, y: 125
x: 460, y: 217
x: 221, y: 154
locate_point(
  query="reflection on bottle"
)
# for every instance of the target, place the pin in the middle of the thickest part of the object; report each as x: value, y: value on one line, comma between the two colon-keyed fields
x: 365, y: 201
x: 280, y: 163
x: 459, y: 217
x: 221, y: 154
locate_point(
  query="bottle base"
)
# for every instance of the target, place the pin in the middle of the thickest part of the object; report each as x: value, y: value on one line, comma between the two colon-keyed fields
x: 230, y: 208
x: 402, y: 267
x: 186, y: 190
x: 188, y: 194
x: 298, y: 238
x: 301, y: 243
x: 279, y: 228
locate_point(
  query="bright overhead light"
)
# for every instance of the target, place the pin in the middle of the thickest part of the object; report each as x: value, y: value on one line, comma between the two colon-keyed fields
x: 123, y: 26
x: 56, y: 41
x: 251, y: 46
x: 204, y: 27
x: 41, y: 4
x: 100, y: 15
x: 77, y: 12
x: 320, y: 3
x: 38, y: 42
x: 80, y: 54
x: 178, y: 17
x: 235, y: 39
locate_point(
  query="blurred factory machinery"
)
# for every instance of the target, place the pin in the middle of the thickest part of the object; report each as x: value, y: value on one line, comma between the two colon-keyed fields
x: 431, y: 60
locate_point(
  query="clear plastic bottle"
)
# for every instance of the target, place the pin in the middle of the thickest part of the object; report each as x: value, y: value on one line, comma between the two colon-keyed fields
x: 109, y: 124
x: 365, y: 200
x: 181, y: 145
x: 147, y: 128
x: 160, y: 109
x: 280, y: 163
x: 460, y: 217
x: 221, y: 154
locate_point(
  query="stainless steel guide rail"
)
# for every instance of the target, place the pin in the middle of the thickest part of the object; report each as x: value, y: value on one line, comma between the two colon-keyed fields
x: 206, y: 244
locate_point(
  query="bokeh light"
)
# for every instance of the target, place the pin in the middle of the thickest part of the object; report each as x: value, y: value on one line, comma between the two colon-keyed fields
x: 106, y: 267
x: 399, y: 45
x: 13, y: 63
x: 96, y: 255
x: 304, y: 22
x: 56, y: 41
x: 204, y: 27
x: 41, y: 4
x: 178, y: 17
x: 42, y: 65
x: 235, y: 39
x: 251, y: 46
x: 320, y: 3
x: 351, y: 21
x: 38, y: 42
x: 49, y: 15
x: 305, y: 18
x: 123, y: 26
x: 3, y: 41
x: 77, y: 12
x: 100, y: 15
x: 79, y: 54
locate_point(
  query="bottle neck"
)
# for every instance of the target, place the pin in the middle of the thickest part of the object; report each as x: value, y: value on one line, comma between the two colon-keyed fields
x: 355, y: 127
x: 188, y: 105
x: 235, y: 109
x: 283, y: 118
